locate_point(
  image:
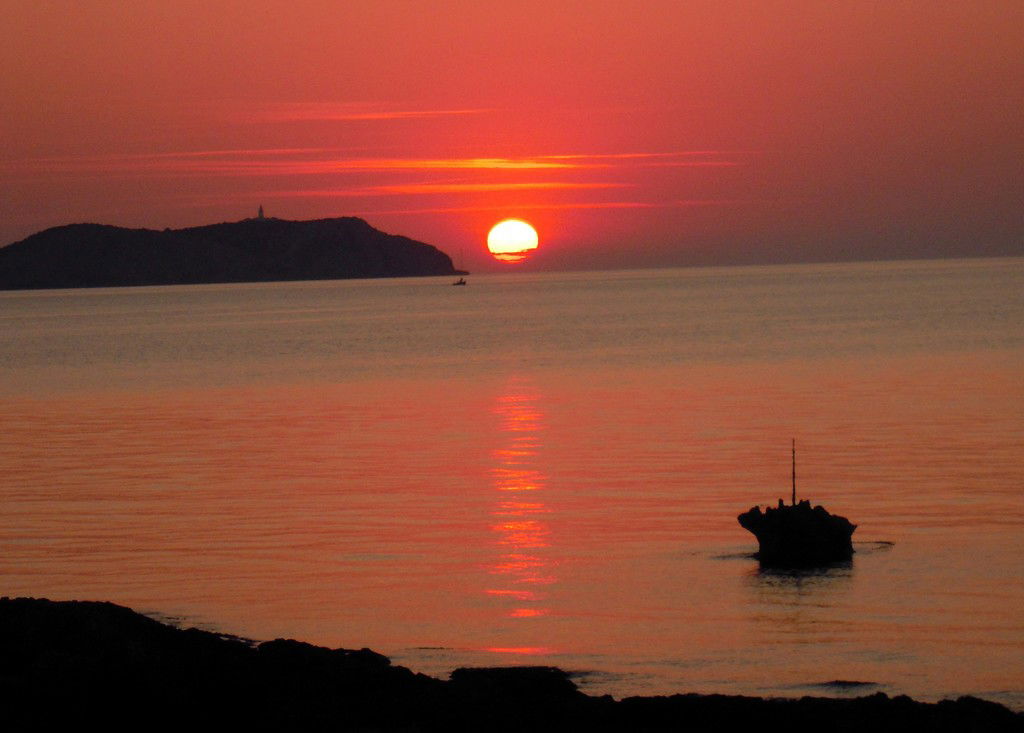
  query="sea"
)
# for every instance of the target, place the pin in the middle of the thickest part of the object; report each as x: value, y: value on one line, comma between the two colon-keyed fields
x: 540, y: 469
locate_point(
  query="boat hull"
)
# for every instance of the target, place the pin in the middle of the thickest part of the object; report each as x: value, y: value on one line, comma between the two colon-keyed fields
x: 799, y: 536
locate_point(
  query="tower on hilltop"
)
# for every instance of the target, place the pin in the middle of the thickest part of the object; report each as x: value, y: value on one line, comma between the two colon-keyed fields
x: 259, y: 214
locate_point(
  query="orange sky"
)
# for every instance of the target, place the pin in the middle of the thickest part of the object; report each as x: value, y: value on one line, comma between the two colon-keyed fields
x: 628, y: 134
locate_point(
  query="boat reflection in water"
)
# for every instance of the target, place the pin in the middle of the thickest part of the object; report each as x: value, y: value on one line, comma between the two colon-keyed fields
x: 523, y: 570
x: 800, y: 603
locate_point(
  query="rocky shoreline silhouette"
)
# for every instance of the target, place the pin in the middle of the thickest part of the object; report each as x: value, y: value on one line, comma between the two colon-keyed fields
x: 81, y: 663
x: 251, y: 250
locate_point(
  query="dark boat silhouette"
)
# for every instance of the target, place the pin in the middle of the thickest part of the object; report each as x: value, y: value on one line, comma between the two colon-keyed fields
x: 797, y: 535
x: 461, y: 280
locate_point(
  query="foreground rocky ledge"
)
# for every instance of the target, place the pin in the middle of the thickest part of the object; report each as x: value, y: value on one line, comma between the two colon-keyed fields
x: 79, y: 663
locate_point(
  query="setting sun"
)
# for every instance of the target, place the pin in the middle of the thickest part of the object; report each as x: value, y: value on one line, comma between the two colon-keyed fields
x: 512, y: 240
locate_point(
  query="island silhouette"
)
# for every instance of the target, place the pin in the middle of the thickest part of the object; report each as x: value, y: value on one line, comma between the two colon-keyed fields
x: 252, y: 250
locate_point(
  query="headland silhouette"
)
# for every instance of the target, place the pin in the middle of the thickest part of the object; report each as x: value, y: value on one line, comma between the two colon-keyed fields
x: 259, y: 249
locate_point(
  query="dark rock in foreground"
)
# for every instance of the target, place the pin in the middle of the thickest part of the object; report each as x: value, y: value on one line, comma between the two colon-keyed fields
x: 78, y: 664
x: 252, y: 250
x: 795, y: 535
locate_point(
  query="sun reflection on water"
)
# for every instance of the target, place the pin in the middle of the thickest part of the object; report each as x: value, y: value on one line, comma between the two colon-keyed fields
x: 523, y: 568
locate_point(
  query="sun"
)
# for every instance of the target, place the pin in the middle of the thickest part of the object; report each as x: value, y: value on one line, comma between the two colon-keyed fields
x: 512, y: 240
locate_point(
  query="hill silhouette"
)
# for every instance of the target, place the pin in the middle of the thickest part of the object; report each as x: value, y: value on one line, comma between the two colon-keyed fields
x: 251, y: 250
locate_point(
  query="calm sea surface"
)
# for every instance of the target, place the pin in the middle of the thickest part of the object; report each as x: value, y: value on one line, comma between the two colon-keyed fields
x: 540, y: 469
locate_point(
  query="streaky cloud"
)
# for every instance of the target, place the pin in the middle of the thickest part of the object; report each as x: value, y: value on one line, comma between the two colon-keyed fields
x: 327, y: 161
x: 681, y: 203
x: 436, y: 188
x: 472, y: 187
x: 352, y: 112
x: 297, y: 161
x: 640, y: 156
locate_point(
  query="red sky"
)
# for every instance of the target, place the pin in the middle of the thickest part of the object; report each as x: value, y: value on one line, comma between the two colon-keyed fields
x: 628, y: 134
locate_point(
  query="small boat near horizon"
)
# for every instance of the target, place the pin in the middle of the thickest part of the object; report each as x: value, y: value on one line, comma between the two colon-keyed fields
x: 460, y: 281
x: 797, y: 535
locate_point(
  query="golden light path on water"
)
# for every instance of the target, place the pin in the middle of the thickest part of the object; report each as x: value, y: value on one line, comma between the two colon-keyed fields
x: 523, y: 570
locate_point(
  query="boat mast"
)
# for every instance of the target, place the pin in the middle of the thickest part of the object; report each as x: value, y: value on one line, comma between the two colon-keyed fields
x: 793, y: 499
